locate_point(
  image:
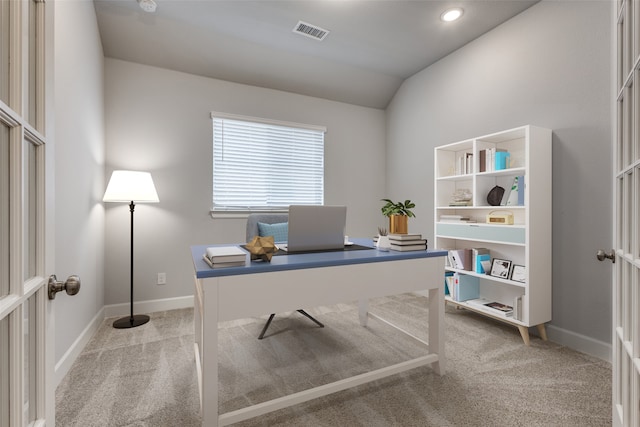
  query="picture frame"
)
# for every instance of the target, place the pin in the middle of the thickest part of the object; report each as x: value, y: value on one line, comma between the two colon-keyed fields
x: 500, y: 268
x: 518, y: 273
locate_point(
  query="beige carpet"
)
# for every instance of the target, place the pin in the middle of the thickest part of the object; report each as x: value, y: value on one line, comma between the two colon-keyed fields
x: 146, y: 376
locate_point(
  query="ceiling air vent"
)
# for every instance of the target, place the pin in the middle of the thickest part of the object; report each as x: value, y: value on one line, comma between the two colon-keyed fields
x: 311, y: 31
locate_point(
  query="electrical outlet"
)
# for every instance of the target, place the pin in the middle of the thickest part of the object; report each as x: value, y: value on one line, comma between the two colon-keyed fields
x: 162, y: 278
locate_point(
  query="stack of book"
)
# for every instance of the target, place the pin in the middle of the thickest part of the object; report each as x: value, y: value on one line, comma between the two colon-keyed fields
x: 455, y: 218
x: 455, y: 203
x: 407, y: 242
x: 493, y: 159
x: 472, y: 259
x: 463, y: 287
x: 494, y: 307
x: 224, y: 256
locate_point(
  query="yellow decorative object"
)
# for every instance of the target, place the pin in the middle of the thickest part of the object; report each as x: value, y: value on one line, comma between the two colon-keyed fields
x: 500, y: 217
x: 262, y: 248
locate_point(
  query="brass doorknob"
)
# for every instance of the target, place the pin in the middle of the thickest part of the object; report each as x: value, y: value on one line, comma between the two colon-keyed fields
x: 71, y: 285
x: 601, y: 255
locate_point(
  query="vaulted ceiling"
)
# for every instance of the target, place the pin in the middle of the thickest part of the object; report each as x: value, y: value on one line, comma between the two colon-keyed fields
x: 372, y: 45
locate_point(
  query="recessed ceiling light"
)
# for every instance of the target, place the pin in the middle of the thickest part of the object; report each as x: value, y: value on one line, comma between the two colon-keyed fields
x: 452, y: 14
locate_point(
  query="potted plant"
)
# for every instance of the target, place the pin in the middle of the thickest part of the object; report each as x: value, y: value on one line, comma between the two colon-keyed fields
x: 398, y: 213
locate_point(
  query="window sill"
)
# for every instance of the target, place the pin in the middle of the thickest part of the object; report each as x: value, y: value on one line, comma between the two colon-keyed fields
x: 241, y: 214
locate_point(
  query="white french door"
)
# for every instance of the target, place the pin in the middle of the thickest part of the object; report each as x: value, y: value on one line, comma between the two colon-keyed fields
x: 23, y: 292
x: 626, y: 167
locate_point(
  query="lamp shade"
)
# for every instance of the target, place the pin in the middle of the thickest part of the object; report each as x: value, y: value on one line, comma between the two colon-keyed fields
x: 131, y: 186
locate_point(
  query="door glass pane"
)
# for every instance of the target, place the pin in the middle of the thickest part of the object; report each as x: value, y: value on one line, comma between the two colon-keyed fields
x: 30, y: 110
x: 4, y: 51
x: 30, y: 210
x: 4, y: 211
x: 4, y: 372
x: 29, y: 384
x: 621, y: 63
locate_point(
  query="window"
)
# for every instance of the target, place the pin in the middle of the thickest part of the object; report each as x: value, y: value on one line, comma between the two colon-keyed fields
x: 266, y: 165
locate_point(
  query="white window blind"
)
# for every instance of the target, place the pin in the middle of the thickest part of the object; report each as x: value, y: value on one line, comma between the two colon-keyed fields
x: 266, y: 165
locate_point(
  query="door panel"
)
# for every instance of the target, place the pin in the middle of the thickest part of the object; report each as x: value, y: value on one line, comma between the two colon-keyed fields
x: 23, y: 290
x: 626, y: 159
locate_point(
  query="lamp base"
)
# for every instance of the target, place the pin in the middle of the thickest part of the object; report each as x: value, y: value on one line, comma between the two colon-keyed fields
x: 131, y: 321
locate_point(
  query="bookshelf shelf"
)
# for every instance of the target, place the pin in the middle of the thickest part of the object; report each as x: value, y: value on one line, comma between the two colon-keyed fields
x: 487, y: 277
x: 486, y: 312
x: 470, y: 166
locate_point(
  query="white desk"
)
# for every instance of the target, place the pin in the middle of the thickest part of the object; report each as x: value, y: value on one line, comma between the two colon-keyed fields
x: 290, y: 282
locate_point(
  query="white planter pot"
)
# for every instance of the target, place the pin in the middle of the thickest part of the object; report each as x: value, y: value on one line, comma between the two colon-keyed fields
x: 383, y: 243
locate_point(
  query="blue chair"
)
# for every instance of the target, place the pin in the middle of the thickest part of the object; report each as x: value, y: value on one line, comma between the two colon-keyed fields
x: 254, y: 230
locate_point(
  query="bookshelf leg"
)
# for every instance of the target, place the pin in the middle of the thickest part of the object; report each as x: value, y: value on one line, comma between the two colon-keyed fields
x: 524, y: 333
x: 542, y: 331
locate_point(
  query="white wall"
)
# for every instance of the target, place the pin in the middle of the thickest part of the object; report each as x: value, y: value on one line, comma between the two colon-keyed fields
x: 79, y: 173
x: 549, y: 66
x: 159, y: 121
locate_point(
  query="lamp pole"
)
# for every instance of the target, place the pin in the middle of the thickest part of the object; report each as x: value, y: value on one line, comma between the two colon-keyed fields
x: 139, y: 319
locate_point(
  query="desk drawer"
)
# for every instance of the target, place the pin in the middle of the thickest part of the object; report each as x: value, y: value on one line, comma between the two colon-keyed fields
x: 513, y: 234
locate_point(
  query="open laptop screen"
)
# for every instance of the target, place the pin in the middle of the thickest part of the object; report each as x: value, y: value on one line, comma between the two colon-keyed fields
x: 313, y: 227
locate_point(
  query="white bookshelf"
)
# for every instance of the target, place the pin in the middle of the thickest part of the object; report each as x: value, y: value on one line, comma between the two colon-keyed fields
x: 527, y: 242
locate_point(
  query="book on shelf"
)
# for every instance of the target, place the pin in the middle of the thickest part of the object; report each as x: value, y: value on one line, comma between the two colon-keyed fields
x: 515, y: 195
x: 505, y: 310
x: 460, y: 259
x: 517, y: 308
x: 459, y: 221
x: 494, y: 307
x: 460, y: 203
x: 482, y: 161
x: 449, y: 217
x: 224, y: 255
x: 448, y: 283
x: 491, y: 156
x: 465, y: 164
x: 463, y: 287
x: 456, y: 218
x: 502, y: 160
x: 479, y: 255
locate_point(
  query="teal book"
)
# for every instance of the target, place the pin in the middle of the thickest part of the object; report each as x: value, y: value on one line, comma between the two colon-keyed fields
x: 502, y: 160
x: 448, y: 283
x: 483, y: 257
x: 465, y: 287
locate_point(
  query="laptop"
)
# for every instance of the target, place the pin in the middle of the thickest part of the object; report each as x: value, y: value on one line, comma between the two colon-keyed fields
x: 314, y: 227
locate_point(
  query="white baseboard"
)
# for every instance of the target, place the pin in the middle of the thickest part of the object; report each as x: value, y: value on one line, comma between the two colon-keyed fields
x: 579, y: 342
x: 150, y: 306
x: 573, y: 340
x: 70, y: 356
x: 72, y: 353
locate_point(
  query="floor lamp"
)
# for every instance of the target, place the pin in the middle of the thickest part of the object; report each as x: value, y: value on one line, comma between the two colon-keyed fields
x: 131, y: 187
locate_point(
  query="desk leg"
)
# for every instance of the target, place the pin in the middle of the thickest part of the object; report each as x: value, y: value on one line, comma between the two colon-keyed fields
x: 436, y: 327
x: 209, y: 361
x: 363, y: 308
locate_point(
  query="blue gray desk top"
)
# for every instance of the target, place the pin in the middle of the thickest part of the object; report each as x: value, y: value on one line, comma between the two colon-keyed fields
x: 300, y: 261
